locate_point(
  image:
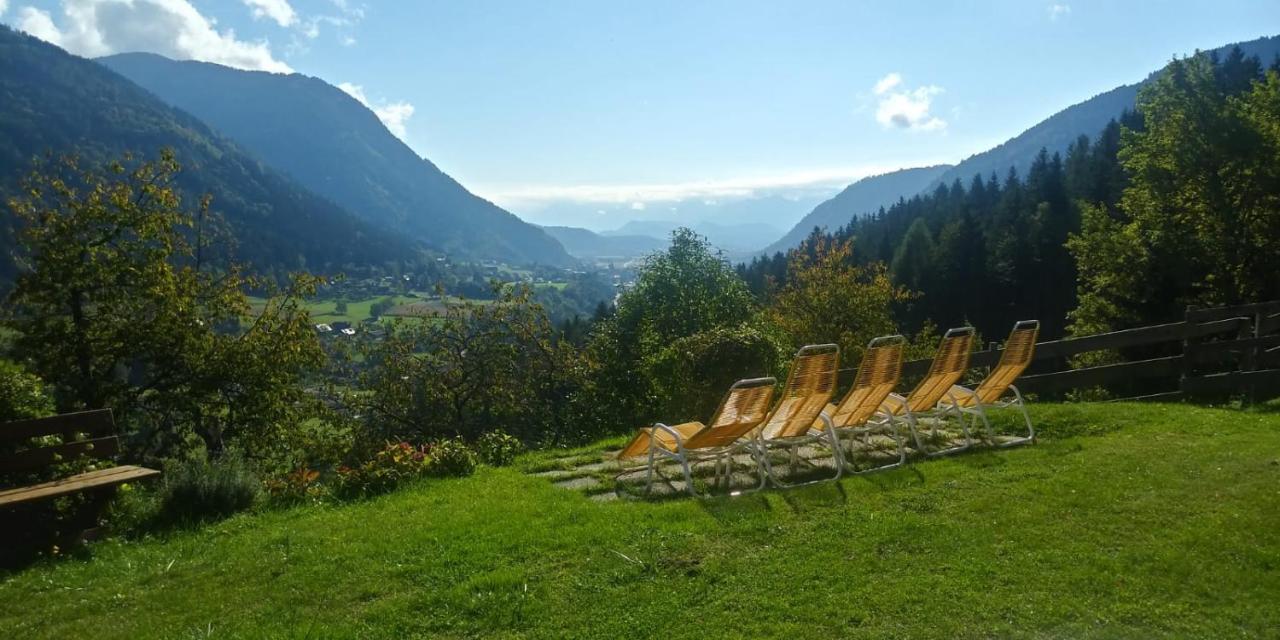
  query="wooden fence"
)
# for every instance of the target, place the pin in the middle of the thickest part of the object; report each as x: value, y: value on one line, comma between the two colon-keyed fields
x: 1218, y: 352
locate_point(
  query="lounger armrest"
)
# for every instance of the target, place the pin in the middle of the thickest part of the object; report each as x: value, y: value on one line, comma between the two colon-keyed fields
x: 954, y: 394
x: 675, y: 435
x: 891, y: 401
x: 826, y: 420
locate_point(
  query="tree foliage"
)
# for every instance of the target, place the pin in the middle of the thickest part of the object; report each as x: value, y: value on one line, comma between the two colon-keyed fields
x: 830, y: 297
x: 473, y: 369
x: 121, y: 306
x: 1199, y: 223
x: 686, y: 291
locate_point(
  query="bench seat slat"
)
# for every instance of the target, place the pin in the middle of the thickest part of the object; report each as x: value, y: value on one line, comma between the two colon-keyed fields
x: 95, y: 423
x: 76, y: 483
x: 45, y: 456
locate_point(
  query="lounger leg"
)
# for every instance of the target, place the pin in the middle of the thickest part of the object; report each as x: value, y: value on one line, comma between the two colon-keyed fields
x: 648, y: 484
x: 1026, y: 417
x: 832, y: 440
x: 980, y: 411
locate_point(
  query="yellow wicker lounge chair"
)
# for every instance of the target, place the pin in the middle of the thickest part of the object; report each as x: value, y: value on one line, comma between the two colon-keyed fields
x: 992, y: 392
x: 809, y: 387
x: 949, y: 363
x: 741, y: 412
x: 859, y: 413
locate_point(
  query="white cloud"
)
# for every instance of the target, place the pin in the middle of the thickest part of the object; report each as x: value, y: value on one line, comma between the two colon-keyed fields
x: 1059, y: 11
x: 392, y: 114
x: 4, y: 5
x: 278, y: 10
x: 886, y: 83
x: 902, y: 108
x: 640, y: 196
x: 172, y: 28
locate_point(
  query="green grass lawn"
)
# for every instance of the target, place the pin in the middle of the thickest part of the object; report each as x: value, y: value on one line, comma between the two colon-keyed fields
x: 359, y: 310
x: 1125, y: 521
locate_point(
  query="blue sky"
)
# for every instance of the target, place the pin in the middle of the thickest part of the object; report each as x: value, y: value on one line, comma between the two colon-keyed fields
x: 528, y: 102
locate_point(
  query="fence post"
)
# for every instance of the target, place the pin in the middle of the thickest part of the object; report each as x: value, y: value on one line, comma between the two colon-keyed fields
x: 1186, y: 356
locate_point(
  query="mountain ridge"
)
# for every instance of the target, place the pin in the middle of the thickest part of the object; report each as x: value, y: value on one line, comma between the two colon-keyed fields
x: 332, y: 144
x: 54, y: 102
x: 862, y: 197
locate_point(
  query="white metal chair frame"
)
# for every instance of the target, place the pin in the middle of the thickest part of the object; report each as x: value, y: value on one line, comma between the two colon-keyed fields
x: 978, y: 410
x: 880, y: 422
x: 687, y: 458
x: 935, y: 415
x: 793, y: 443
x: 883, y: 423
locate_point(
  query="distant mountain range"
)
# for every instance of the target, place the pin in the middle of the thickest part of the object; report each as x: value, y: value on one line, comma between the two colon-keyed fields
x: 589, y: 245
x: 333, y: 145
x: 52, y: 101
x: 736, y: 224
x: 1054, y: 134
x: 864, y: 196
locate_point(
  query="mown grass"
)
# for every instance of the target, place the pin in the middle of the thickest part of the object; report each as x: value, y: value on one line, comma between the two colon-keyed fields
x: 1125, y: 521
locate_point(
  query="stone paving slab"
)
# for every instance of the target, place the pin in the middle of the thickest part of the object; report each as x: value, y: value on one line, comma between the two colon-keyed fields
x: 876, y: 450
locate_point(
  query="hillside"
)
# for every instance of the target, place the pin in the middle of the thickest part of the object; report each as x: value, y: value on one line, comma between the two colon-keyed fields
x: 584, y: 243
x: 1087, y: 118
x: 52, y: 101
x: 862, y: 197
x: 335, y: 146
x: 1054, y: 134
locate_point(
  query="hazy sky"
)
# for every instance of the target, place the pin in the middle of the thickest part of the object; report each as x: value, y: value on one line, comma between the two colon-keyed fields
x: 640, y: 100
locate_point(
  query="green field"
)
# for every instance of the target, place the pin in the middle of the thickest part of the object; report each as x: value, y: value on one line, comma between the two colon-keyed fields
x: 359, y: 310
x: 1125, y: 521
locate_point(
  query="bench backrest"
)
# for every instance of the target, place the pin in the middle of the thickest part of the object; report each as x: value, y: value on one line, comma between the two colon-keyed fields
x: 86, y: 433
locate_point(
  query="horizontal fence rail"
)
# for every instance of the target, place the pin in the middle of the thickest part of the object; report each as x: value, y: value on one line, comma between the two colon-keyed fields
x: 1220, y: 351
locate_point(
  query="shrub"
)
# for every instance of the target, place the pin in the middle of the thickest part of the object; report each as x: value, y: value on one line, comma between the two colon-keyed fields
x: 298, y: 486
x: 22, y: 394
x: 692, y: 374
x: 198, y: 490
x: 451, y: 458
x: 498, y: 449
x: 395, y: 463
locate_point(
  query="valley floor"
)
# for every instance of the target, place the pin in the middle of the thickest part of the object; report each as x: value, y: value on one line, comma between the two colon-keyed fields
x: 1126, y: 520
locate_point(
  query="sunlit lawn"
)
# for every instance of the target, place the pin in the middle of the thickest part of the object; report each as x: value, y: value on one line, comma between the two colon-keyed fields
x: 1126, y: 520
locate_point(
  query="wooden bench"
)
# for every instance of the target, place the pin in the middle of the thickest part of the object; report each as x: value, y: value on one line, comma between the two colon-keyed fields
x: 87, y: 433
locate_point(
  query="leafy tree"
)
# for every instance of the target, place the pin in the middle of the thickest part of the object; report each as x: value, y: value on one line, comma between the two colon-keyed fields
x: 119, y: 305
x: 828, y: 297
x: 1200, y: 221
x: 475, y: 368
x: 685, y: 291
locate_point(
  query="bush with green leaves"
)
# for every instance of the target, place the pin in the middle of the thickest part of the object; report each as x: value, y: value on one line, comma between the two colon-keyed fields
x: 497, y: 448
x: 474, y: 368
x: 22, y: 394
x: 399, y: 462
x: 687, y: 290
x: 451, y: 458
x: 692, y: 374
x: 197, y: 490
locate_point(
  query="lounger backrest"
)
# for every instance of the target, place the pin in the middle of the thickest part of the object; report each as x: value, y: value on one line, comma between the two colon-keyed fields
x: 878, y: 374
x: 1018, y: 352
x: 743, y: 409
x: 949, y: 363
x: 810, y: 385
